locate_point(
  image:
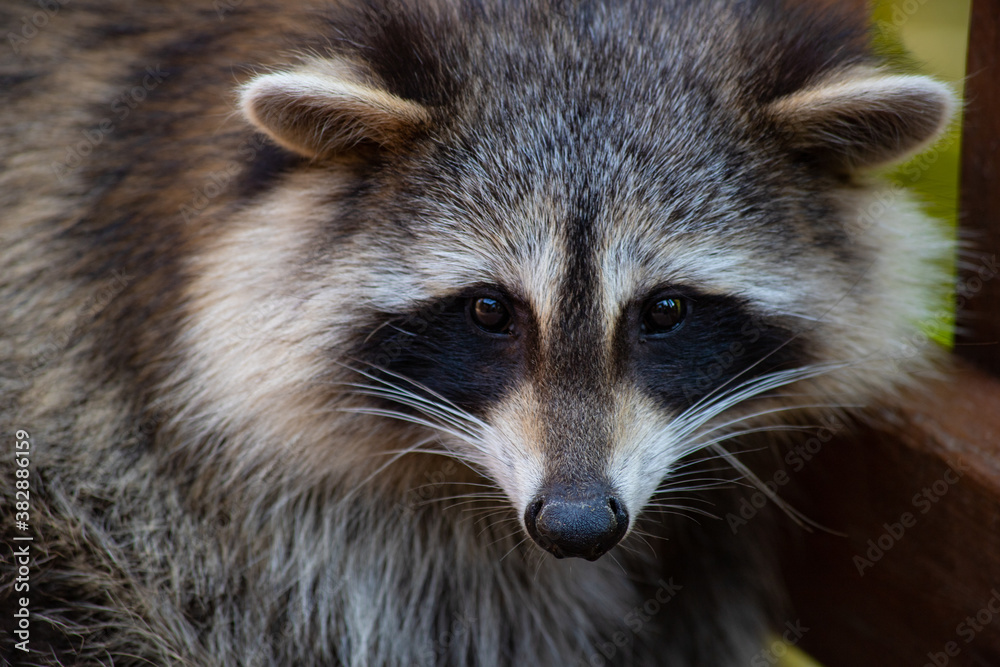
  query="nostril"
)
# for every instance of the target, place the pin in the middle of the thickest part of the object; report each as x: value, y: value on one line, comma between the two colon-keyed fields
x: 620, y: 514
x: 531, y: 515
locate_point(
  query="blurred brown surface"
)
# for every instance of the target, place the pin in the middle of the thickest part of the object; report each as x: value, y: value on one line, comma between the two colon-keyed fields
x: 916, y: 580
x: 919, y: 500
x: 979, y: 217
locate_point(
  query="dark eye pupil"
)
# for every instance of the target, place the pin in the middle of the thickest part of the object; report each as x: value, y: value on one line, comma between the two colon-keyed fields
x: 663, y: 315
x: 490, y: 314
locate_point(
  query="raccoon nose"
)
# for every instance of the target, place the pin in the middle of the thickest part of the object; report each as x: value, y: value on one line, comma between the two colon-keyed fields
x: 570, y: 525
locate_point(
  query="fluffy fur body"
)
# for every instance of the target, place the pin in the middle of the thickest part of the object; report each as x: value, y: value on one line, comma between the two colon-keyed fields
x: 238, y: 248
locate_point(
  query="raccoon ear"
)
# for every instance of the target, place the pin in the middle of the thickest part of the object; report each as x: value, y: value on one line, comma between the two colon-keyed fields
x: 328, y: 108
x: 866, y: 119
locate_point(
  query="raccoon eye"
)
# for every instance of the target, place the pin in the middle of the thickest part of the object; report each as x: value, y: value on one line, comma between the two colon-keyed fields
x: 663, y: 315
x: 490, y: 314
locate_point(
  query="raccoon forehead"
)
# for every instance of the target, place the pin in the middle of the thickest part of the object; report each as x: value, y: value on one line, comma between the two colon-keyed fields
x: 624, y: 261
x: 629, y: 251
x: 519, y: 221
x: 636, y: 232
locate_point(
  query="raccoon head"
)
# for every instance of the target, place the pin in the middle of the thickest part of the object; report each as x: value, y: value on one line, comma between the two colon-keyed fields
x: 578, y: 251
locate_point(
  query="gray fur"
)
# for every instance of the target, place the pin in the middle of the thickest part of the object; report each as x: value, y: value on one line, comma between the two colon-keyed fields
x: 196, y: 325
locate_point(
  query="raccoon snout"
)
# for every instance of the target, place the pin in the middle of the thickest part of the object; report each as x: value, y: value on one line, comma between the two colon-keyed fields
x: 575, y: 525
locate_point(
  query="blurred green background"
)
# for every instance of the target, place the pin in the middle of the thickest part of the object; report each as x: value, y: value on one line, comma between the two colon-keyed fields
x: 934, y: 34
x: 931, y: 37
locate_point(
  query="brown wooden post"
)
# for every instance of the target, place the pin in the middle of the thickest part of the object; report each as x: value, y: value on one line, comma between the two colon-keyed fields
x: 888, y: 594
x: 979, y: 287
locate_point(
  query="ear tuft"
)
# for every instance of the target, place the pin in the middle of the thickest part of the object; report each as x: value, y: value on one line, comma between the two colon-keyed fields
x: 327, y: 108
x: 865, y: 118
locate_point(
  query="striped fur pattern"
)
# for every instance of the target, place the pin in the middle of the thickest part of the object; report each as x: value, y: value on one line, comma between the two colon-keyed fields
x: 243, y: 246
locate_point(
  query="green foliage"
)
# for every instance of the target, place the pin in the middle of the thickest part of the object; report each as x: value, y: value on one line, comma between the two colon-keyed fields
x: 930, y: 36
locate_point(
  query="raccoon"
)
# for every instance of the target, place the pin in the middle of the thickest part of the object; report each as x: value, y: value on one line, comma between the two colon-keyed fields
x: 401, y: 332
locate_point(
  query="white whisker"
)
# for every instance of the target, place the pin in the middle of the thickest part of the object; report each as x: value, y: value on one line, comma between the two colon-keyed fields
x: 795, y: 515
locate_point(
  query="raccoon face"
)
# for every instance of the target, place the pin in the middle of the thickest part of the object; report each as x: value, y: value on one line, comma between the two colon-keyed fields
x: 579, y: 284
